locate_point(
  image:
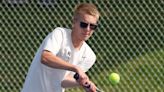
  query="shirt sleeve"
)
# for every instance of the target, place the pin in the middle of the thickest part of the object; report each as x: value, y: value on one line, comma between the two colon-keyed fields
x: 53, y: 41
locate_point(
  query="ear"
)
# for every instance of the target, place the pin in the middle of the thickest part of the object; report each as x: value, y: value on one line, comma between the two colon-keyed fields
x: 73, y: 23
x: 74, y: 20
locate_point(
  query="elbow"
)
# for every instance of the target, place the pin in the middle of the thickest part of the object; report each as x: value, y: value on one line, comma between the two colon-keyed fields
x: 44, y: 57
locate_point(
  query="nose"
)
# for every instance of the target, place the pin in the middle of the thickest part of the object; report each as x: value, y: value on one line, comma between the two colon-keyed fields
x: 88, y: 28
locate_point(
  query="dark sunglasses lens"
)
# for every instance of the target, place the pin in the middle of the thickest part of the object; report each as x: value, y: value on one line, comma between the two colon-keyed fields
x: 93, y: 27
x: 83, y: 25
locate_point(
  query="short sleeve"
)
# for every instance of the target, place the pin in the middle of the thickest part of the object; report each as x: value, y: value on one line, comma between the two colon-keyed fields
x: 53, y: 41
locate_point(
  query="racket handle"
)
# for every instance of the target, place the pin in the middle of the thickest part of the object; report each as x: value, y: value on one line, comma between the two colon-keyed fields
x: 76, y: 76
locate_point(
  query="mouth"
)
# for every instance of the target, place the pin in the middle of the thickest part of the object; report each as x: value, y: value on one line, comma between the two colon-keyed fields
x: 86, y: 34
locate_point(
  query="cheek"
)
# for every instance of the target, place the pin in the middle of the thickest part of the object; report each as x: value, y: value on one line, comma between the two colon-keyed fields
x: 91, y: 33
x: 78, y: 31
x: 77, y: 27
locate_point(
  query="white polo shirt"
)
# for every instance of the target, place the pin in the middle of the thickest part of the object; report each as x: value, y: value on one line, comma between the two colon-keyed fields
x: 42, y: 78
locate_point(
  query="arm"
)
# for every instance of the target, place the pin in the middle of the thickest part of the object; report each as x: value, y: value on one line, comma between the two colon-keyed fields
x: 69, y: 82
x: 53, y: 61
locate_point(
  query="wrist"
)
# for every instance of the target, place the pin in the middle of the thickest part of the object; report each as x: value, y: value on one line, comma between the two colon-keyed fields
x: 75, y: 69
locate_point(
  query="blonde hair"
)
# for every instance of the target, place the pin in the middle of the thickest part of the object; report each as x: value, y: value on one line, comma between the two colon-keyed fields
x: 86, y: 8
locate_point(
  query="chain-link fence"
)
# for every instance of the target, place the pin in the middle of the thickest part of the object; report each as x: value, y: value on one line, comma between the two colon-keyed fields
x: 129, y: 41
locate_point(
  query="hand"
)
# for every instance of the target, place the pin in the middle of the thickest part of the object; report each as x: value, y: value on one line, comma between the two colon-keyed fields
x: 90, y: 87
x: 82, y: 77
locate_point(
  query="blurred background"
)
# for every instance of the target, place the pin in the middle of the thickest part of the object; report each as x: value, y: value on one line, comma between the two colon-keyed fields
x: 129, y: 41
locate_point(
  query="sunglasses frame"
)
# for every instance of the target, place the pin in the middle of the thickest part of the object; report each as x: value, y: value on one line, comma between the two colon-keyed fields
x: 85, y: 25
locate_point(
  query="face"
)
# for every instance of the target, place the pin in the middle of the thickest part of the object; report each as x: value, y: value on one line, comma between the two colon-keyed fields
x: 84, y: 26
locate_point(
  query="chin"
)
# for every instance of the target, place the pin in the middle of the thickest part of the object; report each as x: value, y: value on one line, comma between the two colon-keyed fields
x: 86, y: 38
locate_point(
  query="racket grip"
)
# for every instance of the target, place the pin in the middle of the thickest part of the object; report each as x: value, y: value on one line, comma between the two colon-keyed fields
x: 76, y: 76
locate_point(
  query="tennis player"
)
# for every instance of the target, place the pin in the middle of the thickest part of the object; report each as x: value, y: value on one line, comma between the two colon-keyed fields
x: 63, y: 53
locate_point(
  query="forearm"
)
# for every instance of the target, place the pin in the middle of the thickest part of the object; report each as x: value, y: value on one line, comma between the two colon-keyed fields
x: 69, y: 82
x: 55, y: 62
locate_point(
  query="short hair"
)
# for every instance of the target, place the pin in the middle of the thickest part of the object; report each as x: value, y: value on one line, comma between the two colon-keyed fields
x: 86, y: 8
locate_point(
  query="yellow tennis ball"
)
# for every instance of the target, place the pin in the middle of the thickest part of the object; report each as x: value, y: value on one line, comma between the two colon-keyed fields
x: 114, y: 78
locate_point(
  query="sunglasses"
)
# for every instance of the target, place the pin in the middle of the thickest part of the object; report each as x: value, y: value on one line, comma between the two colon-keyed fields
x: 85, y: 25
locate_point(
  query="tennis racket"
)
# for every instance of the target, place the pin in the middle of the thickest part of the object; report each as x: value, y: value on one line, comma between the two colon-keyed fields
x: 76, y: 76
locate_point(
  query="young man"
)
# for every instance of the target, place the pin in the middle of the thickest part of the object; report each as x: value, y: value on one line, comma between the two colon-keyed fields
x: 63, y: 53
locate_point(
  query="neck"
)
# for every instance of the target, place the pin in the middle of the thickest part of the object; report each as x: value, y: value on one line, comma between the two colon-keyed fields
x: 77, y: 43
